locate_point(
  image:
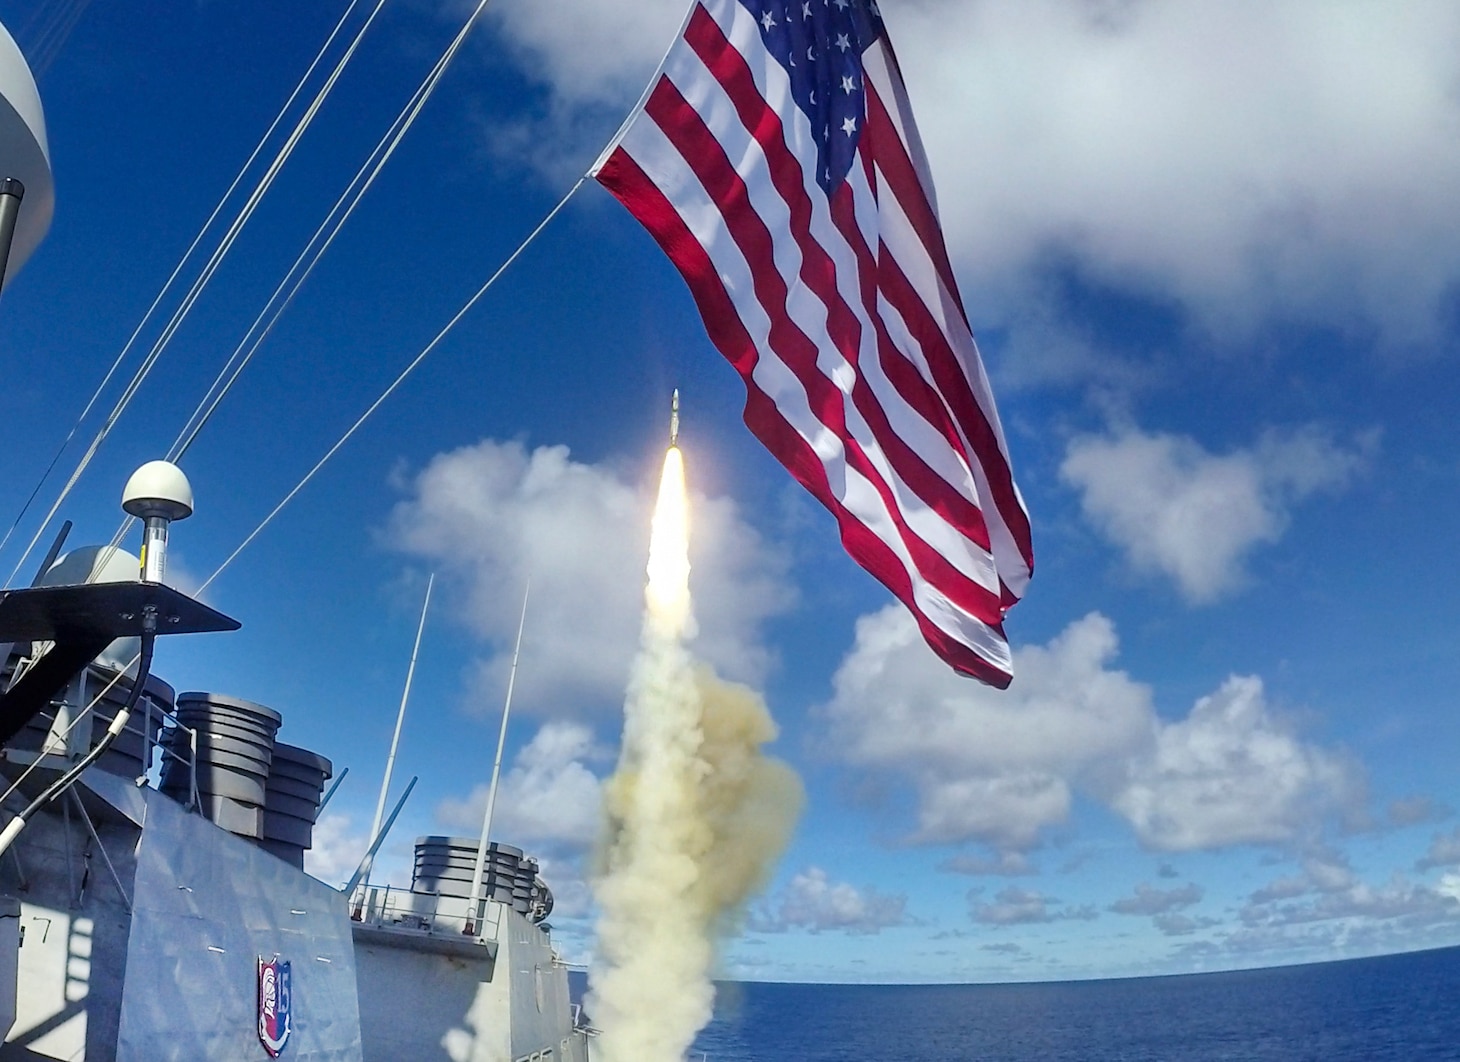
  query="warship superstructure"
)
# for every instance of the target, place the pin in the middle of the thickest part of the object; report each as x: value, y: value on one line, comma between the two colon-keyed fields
x: 141, y: 917
x: 153, y: 903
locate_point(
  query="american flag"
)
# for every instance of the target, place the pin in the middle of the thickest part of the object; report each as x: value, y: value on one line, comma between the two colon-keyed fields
x: 775, y: 160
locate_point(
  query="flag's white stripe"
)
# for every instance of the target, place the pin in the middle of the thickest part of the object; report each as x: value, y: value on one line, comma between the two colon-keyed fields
x: 810, y: 314
x: 918, y: 268
x: 717, y: 110
x: 878, y: 68
x: 913, y: 255
x: 918, y: 265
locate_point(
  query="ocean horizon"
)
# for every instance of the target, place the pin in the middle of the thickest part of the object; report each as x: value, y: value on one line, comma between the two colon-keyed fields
x: 1391, y: 1008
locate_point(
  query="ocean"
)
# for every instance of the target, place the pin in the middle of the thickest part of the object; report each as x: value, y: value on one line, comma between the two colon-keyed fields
x: 1396, y: 1008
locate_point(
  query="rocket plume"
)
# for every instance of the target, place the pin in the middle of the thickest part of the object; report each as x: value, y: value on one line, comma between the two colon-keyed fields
x: 695, y: 814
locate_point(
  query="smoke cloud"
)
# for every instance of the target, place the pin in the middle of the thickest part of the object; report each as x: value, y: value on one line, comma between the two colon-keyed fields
x: 696, y: 815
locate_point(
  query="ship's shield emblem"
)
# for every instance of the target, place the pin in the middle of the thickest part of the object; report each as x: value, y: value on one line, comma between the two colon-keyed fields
x: 275, y: 999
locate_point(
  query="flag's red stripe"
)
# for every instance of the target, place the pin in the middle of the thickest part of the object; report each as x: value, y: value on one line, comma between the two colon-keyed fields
x: 948, y: 376
x: 893, y: 159
x: 900, y: 371
x: 902, y: 180
x: 818, y: 271
x: 629, y: 184
x: 706, y: 158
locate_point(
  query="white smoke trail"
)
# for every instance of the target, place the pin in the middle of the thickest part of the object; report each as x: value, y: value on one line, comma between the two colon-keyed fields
x: 696, y: 817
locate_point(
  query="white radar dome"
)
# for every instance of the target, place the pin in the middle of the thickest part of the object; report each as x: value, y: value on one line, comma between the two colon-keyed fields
x: 158, y: 488
x: 24, y: 152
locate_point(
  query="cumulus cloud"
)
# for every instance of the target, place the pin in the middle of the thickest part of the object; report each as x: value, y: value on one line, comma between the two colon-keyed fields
x: 1410, y: 811
x: 1240, y: 158
x: 340, y: 844
x: 1152, y: 901
x: 1002, y: 767
x: 814, y: 902
x: 548, y: 801
x: 490, y: 517
x: 1176, y: 510
x: 590, y: 51
x: 1444, y: 851
x: 1400, y: 900
x: 338, y: 849
x: 1247, y: 160
x: 1017, y: 907
x: 1007, y: 947
x: 1002, y: 864
x: 1181, y: 925
x: 1232, y: 773
x: 989, y: 766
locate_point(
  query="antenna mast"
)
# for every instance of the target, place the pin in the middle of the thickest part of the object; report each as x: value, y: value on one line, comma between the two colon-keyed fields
x: 400, y: 719
x: 472, y: 913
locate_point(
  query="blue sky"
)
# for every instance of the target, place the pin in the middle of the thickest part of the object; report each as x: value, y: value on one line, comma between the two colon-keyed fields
x: 1211, y: 253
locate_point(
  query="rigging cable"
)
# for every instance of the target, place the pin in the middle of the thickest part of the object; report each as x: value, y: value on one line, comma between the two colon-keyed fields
x: 209, y: 268
x: 376, y: 160
x: 394, y: 384
x: 320, y: 242
x: 48, y: 30
x: 334, y: 221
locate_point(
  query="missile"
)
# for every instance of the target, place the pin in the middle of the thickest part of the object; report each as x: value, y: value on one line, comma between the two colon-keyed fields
x: 674, y: 419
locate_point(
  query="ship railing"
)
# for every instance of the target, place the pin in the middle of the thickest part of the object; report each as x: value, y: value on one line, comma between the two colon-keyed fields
x: 392, y: 906
x: 53, y: 747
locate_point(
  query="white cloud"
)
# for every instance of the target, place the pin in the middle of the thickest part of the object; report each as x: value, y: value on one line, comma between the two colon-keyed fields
x: 1005, y: 864
x: 1248, y: 159
x: 1398, y: 899
x: 1444, y: 851
x: 1231, y: 773
x: 1002, y: 767
x: 491, y: 516
x: 1245, y: 158
x: 1016, y: 907
x: 591, y: 51
x: 989, y: 765
x: 1179, y: 511
x: 814, y: 902
x: 339, y: 846
x: 1152, y: 901
x: 337, y: 849
x: 1180, y: 925
x: 548, y: 801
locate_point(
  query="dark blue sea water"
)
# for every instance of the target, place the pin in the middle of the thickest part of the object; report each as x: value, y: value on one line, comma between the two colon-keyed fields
x: 1399, y: 1008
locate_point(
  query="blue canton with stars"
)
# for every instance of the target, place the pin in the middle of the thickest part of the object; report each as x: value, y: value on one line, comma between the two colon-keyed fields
x: 820, y: 45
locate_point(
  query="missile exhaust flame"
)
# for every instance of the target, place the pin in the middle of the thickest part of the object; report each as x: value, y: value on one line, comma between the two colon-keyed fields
x: 696, y: 816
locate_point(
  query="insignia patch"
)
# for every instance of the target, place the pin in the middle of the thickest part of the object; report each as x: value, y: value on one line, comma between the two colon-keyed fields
x: 274, y: 1005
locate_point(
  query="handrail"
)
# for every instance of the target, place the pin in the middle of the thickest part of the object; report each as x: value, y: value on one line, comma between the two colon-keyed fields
x: 387, y: 905
x: 152, y: 741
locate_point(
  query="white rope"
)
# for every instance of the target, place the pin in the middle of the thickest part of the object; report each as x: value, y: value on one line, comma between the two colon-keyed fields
x: 214, y: 260
x: 320, y: 242
x: 314, y: 250
x: 394, y: 385
x: 167, y: 285
x: 55, y: 22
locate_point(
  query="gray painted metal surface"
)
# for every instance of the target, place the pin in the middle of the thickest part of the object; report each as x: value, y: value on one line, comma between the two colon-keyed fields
x: 501, y: 999
x: 9, y: 959
x: 174, y: 980
x: 208, y: 906
x: 145, y: 925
